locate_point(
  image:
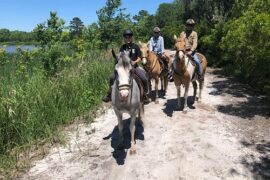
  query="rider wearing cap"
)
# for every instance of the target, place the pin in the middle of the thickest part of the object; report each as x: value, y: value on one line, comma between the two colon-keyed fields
x: 191, y: 39
x: 135, y: 56
x: 157, y: 45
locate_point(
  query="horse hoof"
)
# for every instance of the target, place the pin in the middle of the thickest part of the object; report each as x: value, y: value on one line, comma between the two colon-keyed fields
x: 132, y: 151
x: 185, y: 111
x: 199, y: 101
x: 156, y: 102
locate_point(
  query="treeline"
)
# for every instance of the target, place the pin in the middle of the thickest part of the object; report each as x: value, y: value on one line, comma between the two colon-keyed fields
x: 7, y: 36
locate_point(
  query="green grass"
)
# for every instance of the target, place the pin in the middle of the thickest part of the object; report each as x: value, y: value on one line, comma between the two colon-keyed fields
x: 32, y: 109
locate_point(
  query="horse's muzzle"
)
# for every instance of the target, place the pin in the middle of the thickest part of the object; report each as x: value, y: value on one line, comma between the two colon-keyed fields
x: 124, y: 95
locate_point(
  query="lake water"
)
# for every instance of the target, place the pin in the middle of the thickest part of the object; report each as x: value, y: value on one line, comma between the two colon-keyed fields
x: 12, y: 48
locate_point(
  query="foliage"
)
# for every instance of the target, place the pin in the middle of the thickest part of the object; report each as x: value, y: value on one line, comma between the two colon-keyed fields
x: 111, y: 21
x: 246, y: 43
x: 15, y: 36
x: 33, y: 107
x: 76, y: 27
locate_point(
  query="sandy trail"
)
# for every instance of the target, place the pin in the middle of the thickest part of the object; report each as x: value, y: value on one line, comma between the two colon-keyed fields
x: 224, y: 137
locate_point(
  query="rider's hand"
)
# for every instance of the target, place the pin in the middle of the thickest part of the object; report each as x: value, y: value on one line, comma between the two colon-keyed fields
x: 189, y: 53
x: 133, y: 63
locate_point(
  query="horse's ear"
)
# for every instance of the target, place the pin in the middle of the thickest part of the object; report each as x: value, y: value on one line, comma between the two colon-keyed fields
x: 114, y: 55
x: 140, y: 43
x: 175, y: 37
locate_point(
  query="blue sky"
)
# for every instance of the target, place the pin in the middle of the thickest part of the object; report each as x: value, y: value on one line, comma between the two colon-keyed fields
x: 26, y: 14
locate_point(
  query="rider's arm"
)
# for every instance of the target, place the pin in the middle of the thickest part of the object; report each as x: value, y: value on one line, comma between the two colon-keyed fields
x: 151, y: 45
x: 194, y: 41
x: 138, y: 53
x: 162, y: 44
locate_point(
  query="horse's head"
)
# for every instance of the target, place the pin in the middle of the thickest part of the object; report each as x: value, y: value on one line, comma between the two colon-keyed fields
x: 144, y: 47
x: 180, y: 46
x: 123, y: 68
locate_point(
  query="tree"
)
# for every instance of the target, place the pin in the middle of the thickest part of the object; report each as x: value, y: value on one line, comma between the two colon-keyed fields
x: 49, y: 34
x: 4, y: 35
x: 76, y: 27
x: 111, y: 21
x: 143, y: 25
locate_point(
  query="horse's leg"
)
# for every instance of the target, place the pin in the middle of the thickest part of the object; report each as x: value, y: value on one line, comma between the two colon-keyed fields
x: 165, y: 84
x: 194, y: 83
x: 150, y: 85
x: 120, y: 128
x: 178, y: 89
x: 132, y: 128
x: 201, y: 84
x: 162, y: 83
x: 141, y: 115
x: 156, y: 88
x: 186, y: 97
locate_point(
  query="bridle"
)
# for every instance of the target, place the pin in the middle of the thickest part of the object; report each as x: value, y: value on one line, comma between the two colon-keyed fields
x: 153, y: 65
x: 183, y: 50
x: 125, y: 86
x: 128, y: 86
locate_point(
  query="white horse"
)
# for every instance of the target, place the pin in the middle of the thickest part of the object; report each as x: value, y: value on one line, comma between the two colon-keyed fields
x: 126, y: 97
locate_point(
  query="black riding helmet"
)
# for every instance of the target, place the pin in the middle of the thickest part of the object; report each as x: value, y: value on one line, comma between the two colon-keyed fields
x: 128, y: 32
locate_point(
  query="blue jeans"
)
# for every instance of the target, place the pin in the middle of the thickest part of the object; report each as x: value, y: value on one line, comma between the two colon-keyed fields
x: 198, y: 63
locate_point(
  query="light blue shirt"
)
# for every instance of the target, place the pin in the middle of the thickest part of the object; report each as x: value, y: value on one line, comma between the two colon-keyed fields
x: 157, y: 45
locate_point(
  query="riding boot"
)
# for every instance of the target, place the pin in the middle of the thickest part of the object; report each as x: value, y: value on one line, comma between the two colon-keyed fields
x: 170, y: 76
x: 145, y: 98
x: 108, y: 98
x: 200, y: 76
x: 161, y: 64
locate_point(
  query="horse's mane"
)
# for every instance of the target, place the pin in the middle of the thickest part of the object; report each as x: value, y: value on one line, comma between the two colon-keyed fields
x: 124, y: 60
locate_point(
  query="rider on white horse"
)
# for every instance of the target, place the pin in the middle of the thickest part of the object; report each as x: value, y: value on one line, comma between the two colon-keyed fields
x: 135, y: 56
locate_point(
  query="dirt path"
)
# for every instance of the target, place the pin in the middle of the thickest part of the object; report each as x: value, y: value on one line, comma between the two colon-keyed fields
x: 225, y: 137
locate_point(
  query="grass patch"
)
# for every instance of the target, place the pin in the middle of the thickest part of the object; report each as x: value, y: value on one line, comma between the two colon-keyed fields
x: 33, y: 108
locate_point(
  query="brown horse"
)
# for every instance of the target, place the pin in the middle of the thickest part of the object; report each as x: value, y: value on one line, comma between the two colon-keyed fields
x: 154, y: 69
x: 184, y: 72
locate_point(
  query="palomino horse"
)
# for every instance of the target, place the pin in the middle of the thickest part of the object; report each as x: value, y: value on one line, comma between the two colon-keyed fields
x: 154, y: 69
x: 126, y: 97
x: 184, y: 72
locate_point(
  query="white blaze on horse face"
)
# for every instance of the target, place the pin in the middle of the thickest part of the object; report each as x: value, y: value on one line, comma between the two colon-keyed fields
x: 181, y: 55
x: 144, y: 61
x: 123, y: 78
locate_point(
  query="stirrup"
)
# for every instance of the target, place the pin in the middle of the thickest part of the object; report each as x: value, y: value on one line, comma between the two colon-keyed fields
x: 106, y: 98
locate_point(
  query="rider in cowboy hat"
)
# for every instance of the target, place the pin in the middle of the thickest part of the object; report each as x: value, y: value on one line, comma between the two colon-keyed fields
x: 191, y: 39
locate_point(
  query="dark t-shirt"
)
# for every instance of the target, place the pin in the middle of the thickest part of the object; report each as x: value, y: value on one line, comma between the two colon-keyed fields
x: 133, y: 49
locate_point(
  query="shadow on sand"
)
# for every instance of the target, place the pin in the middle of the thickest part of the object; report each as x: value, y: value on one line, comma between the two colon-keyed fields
x: 259, y: 167
x: 120, y: 154
x: 255, y: 103
x: 170, y: 105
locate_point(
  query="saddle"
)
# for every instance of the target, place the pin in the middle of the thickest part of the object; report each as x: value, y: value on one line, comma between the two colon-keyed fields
x: 140, y: 84
x: 163, y: 63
